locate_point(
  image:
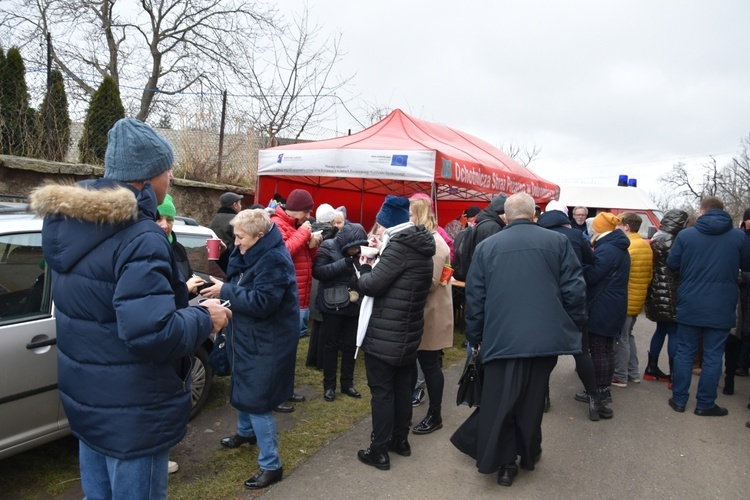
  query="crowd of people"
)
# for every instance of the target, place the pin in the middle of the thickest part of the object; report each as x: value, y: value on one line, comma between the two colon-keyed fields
x: 126, y: 332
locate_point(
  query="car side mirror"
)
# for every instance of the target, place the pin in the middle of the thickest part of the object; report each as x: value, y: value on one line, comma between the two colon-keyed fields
x: 651, y: 232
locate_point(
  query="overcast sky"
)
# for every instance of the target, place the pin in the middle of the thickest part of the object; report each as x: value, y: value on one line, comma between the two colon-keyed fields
x: 602, y: 87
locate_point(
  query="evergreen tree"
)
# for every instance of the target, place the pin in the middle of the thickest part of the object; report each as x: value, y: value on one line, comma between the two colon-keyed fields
x: 54, y: 121
x: 17, y: 134
x: 105, y: 109
x: 2, y: 100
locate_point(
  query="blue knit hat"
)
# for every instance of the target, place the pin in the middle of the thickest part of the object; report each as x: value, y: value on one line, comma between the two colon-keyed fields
x: 135, y: 152
x: 395, y: 211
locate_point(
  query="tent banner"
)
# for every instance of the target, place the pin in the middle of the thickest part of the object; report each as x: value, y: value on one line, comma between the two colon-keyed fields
x: 370, y: 164
x: 491, y: 180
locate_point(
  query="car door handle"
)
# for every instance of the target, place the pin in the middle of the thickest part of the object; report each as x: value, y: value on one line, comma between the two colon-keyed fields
x: 41, y: 343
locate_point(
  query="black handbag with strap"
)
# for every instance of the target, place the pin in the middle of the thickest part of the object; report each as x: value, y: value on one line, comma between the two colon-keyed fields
x: 470, y: 384
x: 336, y: 297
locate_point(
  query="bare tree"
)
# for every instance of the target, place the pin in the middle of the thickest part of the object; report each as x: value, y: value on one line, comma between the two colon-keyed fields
x: 730, y: 182
x: 294, y: 81
x: 522, y: 154
x: 159, y: 46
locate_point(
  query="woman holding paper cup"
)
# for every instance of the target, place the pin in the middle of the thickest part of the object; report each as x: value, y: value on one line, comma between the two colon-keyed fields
x: 396, y: 286
x: 262, y: 336
x: 438, y: 319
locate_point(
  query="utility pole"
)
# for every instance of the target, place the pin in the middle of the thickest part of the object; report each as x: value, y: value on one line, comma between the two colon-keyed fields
x: 221, y: 135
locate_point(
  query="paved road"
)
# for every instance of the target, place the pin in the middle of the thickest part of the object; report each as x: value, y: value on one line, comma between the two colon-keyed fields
x: 645, y: 451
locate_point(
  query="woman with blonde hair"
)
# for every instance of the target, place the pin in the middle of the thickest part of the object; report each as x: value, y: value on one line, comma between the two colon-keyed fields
x: 438, y: 320
x: 261, y: 337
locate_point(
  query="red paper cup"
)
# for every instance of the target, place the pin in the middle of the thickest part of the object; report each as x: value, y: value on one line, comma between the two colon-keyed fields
x: 213, y: 245
x: 445, y: 276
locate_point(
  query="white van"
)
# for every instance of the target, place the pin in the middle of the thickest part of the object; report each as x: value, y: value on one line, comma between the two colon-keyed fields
x: 614, y: 199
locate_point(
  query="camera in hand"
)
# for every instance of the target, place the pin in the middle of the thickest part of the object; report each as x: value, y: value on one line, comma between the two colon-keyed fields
x: 327, y: 229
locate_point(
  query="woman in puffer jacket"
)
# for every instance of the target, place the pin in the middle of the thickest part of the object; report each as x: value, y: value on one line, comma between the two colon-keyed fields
x: 334, y: 268
x: 661, y: 302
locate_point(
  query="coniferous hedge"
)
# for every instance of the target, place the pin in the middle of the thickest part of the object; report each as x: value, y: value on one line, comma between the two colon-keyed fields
x: 54, y: 121
x: 105, y: 109
x: 18, y: 131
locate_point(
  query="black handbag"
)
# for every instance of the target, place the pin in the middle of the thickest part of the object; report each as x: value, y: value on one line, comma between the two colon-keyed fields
x: 218, y: 360
x: 470, y: 384
x: 336, y: 297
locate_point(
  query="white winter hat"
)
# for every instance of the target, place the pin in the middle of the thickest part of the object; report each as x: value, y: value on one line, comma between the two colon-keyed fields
x: 556, y: 205
x: 324, y: 213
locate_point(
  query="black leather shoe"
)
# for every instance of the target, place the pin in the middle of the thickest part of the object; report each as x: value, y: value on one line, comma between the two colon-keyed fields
x: 351, y: 392
x: 296, y: 398
x: 329, y: 394
x: 264, y: 479
x: 506, y: 474
x: 378, y: 459
x: 714, y: 411
x: 237, y: 441
x: 400, y: 447
x: 676, y: 407
x: 430, y: 423
x: 284, y: 408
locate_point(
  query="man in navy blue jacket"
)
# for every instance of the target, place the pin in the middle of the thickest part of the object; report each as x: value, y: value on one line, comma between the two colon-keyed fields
x: 125, y: 335
x: 708, y: 257
x: 525, y: 303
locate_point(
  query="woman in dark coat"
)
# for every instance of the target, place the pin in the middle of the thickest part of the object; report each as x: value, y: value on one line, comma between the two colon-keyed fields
x: 661, y: 304
x: 334, y: 268
x: 398, y: 285
x: 607, y: 297
x: 262, y: 336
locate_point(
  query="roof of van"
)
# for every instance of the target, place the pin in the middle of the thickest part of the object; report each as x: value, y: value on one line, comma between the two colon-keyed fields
x: 599, y: 196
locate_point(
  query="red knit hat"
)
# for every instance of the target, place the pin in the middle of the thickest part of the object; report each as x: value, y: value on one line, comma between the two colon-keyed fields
x: 299, y: 200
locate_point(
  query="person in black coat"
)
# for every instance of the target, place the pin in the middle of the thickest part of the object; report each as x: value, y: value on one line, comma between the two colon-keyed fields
x: 334, y: 268
x: 490, y: 220
x: 396, y: 286
x: 661, y: 303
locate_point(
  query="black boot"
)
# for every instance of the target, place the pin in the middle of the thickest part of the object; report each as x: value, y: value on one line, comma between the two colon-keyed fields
x: 728, y: 384
x: 605, y: 394
x: 376, y: 458
x: 400, y: 446
x: 652, y: 370
x: 432, y: 422
x: 598, y: 409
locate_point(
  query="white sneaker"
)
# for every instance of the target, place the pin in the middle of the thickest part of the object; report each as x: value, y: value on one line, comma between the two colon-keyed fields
x: 173, y: 467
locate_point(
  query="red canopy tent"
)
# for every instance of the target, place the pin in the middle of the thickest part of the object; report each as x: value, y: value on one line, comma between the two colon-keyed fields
x: 399, y: 155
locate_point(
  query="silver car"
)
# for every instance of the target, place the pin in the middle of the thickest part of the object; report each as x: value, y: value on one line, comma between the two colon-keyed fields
x: 30, y: 409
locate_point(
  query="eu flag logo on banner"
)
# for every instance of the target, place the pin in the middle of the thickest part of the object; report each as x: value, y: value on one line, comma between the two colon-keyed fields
x: 399, y: 160
x: 281, y: 157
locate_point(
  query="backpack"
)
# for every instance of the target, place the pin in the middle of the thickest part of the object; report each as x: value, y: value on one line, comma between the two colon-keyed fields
x: 463, y: 250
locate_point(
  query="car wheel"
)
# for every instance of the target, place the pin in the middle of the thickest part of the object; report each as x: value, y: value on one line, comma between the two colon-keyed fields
x: 200, y: 381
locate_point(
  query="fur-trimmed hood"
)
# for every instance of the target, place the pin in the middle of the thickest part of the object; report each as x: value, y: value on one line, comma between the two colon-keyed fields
x: 104, y: 202
x: 78, y: 217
